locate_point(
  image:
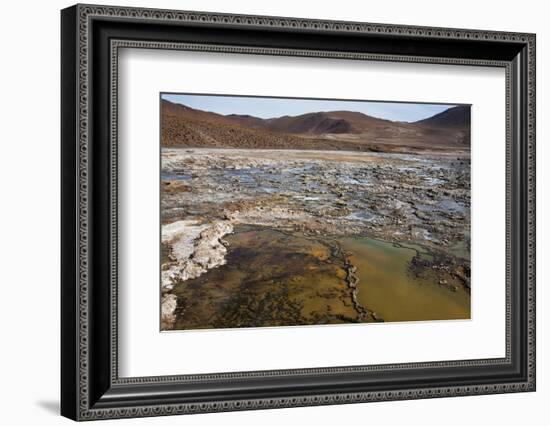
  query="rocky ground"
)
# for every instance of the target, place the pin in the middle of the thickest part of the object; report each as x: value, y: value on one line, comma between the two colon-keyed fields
x: 208, y: 193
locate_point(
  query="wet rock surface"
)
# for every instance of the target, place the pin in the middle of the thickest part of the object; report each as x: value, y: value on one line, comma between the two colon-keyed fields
x: 211, y: 197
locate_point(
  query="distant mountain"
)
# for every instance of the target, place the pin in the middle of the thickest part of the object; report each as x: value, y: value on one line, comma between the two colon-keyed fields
x: 247, y: 121
x: 458, y: 116
x: 315, y: 123
x: 343, y: 130
x: 182, y: 126
x: 333, y: 122
x: 172, y: 108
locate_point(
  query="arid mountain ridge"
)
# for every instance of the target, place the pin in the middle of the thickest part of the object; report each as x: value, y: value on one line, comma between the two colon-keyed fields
x: 183, y: 126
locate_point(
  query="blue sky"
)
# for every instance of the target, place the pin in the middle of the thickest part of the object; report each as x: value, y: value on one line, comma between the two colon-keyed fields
x: 277, y: 107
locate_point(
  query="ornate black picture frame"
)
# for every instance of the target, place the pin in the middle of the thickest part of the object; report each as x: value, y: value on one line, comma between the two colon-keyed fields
x: 91, y: 36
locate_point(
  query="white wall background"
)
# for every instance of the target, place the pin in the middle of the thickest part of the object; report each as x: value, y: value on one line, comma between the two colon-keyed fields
x: 29, y: 225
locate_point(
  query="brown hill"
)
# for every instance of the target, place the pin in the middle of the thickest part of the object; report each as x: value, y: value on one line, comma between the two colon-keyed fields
x: 458, y: 116
x: 174, y: 109
x: 314, y: 123
x: 341, y: 130
x: 455, y: 121
x: 182, y: 126
x: 247, y: 121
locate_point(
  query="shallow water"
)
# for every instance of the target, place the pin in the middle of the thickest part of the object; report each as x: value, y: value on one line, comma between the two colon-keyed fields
x: 387, y: 286
x: 275, y: 278
x: 174, y: 176
x: 292, y: 258
x: 271, y: 279
x: 368, y: 192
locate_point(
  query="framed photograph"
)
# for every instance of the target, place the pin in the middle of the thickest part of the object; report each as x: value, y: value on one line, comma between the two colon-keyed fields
x: 263, y: 212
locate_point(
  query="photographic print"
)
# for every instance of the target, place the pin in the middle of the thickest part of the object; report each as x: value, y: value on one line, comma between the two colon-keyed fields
x: 289, y: 211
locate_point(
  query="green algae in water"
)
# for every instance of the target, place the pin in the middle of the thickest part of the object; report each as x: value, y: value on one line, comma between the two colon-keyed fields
x: 387, y: 287
x: 275, y: 278
x: 271, y: 278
